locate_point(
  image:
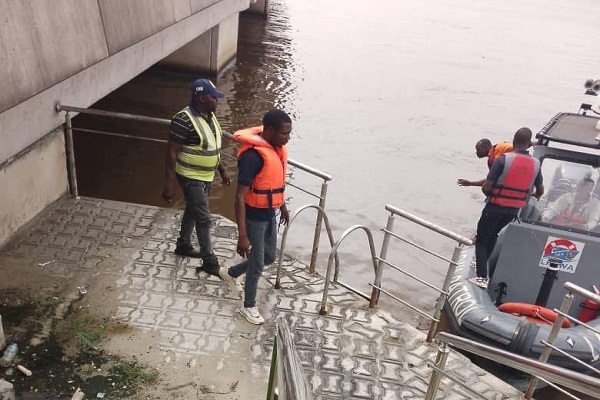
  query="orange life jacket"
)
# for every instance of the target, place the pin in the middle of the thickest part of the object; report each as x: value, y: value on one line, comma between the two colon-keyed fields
x: 517, y: 178
x: 497, y: 150
x: 268, y: 185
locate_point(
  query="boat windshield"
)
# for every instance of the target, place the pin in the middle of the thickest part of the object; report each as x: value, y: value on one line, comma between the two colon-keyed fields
x: 571, y: 199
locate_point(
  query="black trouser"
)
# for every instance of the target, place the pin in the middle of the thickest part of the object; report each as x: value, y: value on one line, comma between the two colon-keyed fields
x: 196, y: 215
x: 488, y: 227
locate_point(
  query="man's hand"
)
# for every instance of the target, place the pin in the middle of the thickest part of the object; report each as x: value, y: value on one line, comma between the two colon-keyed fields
x: 225, y: 178
x: 167, y: 193
x: 170, y: 162
x: 464, y: 182
x: 284, y: 218
x: 243, y: 247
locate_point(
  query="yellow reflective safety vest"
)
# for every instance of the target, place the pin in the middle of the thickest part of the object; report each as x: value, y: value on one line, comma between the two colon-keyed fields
x: 200, y: 162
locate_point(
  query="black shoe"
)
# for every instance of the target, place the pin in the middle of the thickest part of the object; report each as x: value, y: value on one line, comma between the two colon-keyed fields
x: 187, y: 251
x: 210, y: 266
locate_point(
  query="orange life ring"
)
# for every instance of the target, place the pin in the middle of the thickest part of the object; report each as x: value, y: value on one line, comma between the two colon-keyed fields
x: 535, y: 313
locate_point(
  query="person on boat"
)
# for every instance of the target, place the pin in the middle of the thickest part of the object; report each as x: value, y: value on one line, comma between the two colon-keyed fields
x: 507, y: 186
x: 484, y: 148
x: 578, y: 209
x: 262, y: 165
x: 193, y: 155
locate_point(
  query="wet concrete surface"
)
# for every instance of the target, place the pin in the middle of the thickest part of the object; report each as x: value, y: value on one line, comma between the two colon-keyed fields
x: 187, y: 327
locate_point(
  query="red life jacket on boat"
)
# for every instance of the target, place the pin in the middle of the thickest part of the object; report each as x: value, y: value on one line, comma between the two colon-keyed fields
x: 268, y: 185
x: 516, y: 180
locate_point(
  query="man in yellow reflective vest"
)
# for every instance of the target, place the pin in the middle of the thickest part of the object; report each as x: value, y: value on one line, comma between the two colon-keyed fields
x: 193, y: 156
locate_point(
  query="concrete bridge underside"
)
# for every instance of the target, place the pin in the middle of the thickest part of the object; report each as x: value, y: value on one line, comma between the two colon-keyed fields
x: 77, y: 52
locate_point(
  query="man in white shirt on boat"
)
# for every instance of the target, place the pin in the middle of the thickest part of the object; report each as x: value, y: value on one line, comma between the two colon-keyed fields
x: 578, y: 209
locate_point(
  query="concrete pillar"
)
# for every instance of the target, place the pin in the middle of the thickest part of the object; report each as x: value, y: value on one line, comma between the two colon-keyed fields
x: 259, y: 7
x: 209, y: 52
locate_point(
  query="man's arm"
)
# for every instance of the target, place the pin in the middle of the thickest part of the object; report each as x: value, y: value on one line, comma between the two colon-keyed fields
x: 465, y: 182
x: 171, y: 158
x: 284, y: 219
x: 223, y: 173
x: 539, y: 191
x: 594, y: 217
x: 493, y: 175
x: 538, y: 183
x: 487, y: 187
x: 243, y: 244
x: 555, y: 208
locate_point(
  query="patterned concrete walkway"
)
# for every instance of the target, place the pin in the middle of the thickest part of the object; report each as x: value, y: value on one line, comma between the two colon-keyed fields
x: 353, y: 352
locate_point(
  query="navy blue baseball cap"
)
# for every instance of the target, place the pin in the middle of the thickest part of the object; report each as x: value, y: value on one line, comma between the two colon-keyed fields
x: 205, y: 86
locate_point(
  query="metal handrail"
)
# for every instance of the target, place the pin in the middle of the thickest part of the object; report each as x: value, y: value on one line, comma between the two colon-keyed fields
x: 577, y: 381
x: 420, y: 221
x: 323, y: 215
x: 456, y: 380
x: 286, y: 369
x: 163, y: 121
x: 407, y: 304
x: 573, y: 288
x: 452, y: 264
x: 570, y: 290
x: 333, y: 254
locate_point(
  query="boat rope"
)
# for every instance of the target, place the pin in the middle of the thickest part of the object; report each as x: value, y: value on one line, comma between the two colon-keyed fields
x: 536, y: 314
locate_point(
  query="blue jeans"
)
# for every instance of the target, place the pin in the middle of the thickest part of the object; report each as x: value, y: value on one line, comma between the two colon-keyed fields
x: 263, y: 238
x: 196, y: 215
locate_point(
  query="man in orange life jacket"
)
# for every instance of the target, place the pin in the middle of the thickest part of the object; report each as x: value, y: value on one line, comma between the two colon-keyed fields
x: 262, y: 165
x: 578, y: 210
x: 507, y: 187
x: 484, y: 148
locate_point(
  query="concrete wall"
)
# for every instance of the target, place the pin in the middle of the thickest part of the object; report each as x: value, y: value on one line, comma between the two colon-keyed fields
x: 76, y: 52
x: 209, y: 52
x: 65, y: 55
x: 260, y: 7
x: 37, y: 178
x: 226, y: 42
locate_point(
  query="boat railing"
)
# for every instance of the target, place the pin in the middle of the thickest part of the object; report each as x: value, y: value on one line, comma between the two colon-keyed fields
x: 549, y: 373
x: 68, y: 128
x: 570, y: 291
x: 382, y: 262
x: 286, y: 378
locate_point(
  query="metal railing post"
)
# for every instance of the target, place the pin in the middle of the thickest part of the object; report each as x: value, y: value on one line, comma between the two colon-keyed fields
x: 273, y: 372
x: 441, y: 300
x: 315, y: 248
x: 382, y: 256
x: 71, y: 155
x: 440, y: 362
x: 564, y: 307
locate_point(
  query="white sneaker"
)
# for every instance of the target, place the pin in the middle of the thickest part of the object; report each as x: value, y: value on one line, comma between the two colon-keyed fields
x: 252, y: 315
x: 481, y: 282
x: 232, y: 282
